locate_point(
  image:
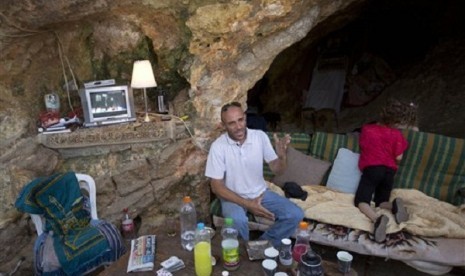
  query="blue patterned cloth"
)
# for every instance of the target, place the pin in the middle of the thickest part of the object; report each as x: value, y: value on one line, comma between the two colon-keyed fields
x: 78, y: 244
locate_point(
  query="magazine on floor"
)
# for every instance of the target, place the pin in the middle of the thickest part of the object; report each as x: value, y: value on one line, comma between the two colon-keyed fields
x: 142, y: 257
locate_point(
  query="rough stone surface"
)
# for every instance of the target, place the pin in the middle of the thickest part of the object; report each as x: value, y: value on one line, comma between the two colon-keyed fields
x: 136, y: 177
x: 204, y: 53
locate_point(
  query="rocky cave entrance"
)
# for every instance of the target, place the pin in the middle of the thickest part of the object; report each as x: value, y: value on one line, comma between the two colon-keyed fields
x: 384, y: 49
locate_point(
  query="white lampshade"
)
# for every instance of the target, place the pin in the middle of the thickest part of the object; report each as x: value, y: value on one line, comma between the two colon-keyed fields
x: 142, y: 75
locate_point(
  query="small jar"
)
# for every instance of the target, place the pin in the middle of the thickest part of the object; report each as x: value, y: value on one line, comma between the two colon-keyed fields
x: 285, y: 252
x: 310, y: 265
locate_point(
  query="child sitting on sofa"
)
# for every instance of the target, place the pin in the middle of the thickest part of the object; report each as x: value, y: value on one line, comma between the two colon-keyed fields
x: 381, y: 149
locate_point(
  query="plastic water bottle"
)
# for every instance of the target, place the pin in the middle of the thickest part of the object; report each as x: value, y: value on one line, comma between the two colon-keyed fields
x: 302, y: 241
x: 202, y: 251
x: 230, y: 245
x: 188, y: 219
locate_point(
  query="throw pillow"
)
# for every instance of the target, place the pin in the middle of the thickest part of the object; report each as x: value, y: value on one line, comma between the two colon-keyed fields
x: 302, y: 169
x: 345, y: 174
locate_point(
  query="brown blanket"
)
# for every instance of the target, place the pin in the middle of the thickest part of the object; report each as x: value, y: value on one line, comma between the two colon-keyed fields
x: 428, y: 217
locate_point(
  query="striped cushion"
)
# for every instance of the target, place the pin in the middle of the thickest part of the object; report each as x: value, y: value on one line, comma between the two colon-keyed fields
x: 325, y: 145
x: 433, y: 163
x: 299, y: 141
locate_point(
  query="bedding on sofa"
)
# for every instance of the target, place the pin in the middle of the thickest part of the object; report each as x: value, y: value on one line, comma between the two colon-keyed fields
x: 431, y: 241
x: 427, y: 216
x: 433, y: 237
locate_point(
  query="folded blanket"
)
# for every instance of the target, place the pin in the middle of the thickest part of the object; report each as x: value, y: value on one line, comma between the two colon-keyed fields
x: 428, y: 216
x: 58, y: 198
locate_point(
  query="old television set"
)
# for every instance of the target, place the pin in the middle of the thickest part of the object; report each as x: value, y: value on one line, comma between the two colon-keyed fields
x: 107, y: 105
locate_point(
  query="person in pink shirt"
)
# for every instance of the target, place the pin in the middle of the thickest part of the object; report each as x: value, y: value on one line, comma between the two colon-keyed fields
x: 381, y: 149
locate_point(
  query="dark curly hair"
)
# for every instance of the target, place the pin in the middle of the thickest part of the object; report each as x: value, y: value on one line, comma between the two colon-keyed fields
x: 399, y: 113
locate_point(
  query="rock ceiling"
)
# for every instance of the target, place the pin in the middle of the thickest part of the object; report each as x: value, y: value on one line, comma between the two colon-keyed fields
x: 220, y: 48
x: 214, y: 51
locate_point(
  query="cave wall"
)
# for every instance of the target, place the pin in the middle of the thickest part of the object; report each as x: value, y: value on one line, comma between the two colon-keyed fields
x: 204, y: 53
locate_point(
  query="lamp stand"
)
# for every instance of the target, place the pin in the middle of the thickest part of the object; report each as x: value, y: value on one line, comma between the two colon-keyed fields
x: 147, y: 118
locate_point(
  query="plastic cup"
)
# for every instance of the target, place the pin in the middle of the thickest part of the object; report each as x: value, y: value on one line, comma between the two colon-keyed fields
x: 344, y: 261
x: 269, y: 267
x: 271, y: 253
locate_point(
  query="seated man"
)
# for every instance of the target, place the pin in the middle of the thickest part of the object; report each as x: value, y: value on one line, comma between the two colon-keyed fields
x: 235, y: 167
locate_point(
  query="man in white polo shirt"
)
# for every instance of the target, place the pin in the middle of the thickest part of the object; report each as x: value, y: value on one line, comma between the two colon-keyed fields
x: 235, y: 167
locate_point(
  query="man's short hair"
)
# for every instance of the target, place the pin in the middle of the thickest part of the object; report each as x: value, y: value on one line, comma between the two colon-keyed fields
x: 228, y: 105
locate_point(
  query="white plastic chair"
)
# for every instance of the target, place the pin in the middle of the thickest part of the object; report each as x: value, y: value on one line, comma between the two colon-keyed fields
x: 87, y: 183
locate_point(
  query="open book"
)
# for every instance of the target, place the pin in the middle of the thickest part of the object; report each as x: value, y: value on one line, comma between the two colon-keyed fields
x: 142, y: 257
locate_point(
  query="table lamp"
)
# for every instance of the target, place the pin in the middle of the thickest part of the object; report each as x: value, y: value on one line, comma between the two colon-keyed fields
x: 142, y: 77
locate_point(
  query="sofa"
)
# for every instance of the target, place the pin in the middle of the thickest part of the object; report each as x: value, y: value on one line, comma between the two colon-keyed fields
x: 430, y: 179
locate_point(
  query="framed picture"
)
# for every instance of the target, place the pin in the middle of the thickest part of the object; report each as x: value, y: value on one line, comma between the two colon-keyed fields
x: 52, y: 102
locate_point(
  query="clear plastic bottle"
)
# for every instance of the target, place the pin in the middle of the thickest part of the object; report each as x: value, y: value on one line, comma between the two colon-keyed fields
x: 302, y: 241
x: 230, y: 245
x: 285, y: 252
x: 188, y: 217
x: 127, y: 225
x: 202, y: 251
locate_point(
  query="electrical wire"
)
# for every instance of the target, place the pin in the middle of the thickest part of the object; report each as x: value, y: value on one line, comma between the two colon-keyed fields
x: 185, y: 125
x: 9, y: 23
x: 62, y: 60
x: 60, y: 51
x: 63, y: 69
x: 17, y: 35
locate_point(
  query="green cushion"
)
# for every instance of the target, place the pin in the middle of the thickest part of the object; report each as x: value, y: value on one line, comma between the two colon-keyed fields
x: 433, y: 164
x: 325, y: 145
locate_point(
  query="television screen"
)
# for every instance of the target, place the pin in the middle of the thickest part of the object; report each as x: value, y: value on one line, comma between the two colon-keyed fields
x: 107, y: 105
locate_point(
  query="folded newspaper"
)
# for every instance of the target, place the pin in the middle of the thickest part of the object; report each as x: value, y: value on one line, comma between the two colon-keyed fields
x: 142, y: 256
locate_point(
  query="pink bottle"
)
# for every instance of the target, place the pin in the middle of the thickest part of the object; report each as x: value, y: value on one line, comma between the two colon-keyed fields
x: 302, y: 241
